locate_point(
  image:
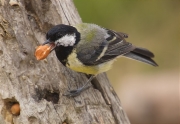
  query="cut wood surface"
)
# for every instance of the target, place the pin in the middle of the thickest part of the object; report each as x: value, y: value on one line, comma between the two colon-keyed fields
x: 38, y: 86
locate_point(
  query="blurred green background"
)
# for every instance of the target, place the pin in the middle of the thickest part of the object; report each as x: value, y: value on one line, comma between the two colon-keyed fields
x: 152, y: 24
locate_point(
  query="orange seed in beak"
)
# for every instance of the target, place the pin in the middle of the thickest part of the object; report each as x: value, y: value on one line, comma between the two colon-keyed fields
x: 43, y: 51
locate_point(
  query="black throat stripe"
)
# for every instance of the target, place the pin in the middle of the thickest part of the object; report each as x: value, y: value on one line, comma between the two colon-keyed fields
x: 63, y: 52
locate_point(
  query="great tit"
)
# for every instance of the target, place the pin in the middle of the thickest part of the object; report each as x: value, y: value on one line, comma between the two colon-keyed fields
x: 91, y: 49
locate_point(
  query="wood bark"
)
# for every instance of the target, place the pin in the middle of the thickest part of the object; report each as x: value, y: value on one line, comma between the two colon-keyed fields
x: 38, y: 86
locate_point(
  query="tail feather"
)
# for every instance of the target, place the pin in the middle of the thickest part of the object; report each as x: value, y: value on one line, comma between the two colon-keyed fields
x: 144, y: 52
x: 142, y: 55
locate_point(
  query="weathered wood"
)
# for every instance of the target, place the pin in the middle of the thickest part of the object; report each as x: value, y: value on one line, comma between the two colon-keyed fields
x: 38, y: 86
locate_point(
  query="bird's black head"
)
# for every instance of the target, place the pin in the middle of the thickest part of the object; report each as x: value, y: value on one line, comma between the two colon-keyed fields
x: 59, y: 31
x: 62, y: 38
x: 63, y: 35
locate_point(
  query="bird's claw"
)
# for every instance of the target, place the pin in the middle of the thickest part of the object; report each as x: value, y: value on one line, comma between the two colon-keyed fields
x: 73, y: 93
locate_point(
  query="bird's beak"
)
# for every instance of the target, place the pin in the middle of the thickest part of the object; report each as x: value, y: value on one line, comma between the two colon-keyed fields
x: 44, y: 50
x: 52, y: 44
x: 46, y: 42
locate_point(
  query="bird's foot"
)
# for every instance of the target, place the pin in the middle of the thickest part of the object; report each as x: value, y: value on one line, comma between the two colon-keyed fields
x: 73, y: 93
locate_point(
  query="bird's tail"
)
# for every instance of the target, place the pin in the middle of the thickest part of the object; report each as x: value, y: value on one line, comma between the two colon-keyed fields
x: 142, y: 55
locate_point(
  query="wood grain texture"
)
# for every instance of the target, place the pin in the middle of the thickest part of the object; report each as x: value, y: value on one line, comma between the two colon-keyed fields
x: 38, y: 86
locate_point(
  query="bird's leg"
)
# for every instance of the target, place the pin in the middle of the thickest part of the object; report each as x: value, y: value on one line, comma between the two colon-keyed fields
x: 76, y: 92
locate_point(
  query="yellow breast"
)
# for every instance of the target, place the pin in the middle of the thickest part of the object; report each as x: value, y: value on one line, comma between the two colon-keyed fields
x: 76, y: 65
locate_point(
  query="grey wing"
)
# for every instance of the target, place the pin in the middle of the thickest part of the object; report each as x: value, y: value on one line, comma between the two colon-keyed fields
x: 113, y: 46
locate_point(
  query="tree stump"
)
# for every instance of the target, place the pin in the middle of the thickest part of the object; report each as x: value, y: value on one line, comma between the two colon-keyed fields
x: 38, y: 86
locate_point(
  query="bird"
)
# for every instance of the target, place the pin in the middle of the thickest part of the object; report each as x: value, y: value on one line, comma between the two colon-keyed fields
x: 92, y: 49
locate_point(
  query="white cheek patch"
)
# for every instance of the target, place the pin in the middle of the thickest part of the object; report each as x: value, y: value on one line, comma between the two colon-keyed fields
x: 67, y: 40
